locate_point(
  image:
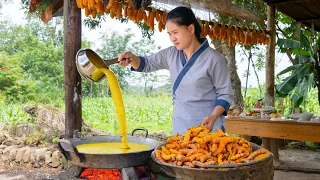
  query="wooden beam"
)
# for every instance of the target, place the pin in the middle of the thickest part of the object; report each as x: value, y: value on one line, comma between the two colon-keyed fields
x: 309, y: 19
x: 72, y: 79
x: 270, y: 56
x: 282, y: 2
x: 292, y: 130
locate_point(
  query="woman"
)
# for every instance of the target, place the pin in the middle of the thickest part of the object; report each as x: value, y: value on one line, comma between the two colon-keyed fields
x: 199, y: 74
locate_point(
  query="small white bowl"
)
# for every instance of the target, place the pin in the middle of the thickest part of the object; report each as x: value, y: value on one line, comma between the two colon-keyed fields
x: 306, y: 116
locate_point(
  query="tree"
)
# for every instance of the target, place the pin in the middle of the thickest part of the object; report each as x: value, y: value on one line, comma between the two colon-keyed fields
x: 37, y: 49
x: 3, y: 2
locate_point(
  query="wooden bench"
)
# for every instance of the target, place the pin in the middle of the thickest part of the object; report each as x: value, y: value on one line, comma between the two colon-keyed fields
x: 271, y: 131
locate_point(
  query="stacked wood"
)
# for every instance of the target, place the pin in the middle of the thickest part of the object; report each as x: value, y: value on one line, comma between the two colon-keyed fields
x: 199, y: 148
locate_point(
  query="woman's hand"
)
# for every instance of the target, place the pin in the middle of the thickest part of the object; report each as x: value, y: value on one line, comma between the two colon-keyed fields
x: 125, y: 58
x: 130, y: 58
x: 209, y: 121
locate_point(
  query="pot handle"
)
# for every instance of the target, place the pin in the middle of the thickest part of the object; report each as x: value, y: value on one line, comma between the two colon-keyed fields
x: 66, y: 146
x: 142, y: 129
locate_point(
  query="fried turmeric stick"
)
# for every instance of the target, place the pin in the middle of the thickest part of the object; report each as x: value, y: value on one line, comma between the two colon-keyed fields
x: 196, y: 151
x: 173, y: 151
x: 195, y: 156
x: 220, y: 149
x: 220, y: 156
x: 229, y: 148
x: 186, y: 138
x: 182, y: 145
x: 204, y: 158
x: 214, y: 147
x: 256, y: 153
x: 172, y: 146
x: 168, y: 157
x: 189, y: 164
x: 165, y: 150
x: 235, y: 157
x: 192, y: 146
x: 180, y: 157
x: 220, y: 133
x: 173, y: 139
x: 184, y: 151
x: 158, y: 156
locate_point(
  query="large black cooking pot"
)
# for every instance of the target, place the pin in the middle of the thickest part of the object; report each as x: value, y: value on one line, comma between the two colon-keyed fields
x: 107, y: 161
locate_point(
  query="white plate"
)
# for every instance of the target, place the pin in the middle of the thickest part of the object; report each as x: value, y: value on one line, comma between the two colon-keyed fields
x: 260, y: 109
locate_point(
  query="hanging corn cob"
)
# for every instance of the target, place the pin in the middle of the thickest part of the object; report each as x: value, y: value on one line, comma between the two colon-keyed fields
x: 229, y: 33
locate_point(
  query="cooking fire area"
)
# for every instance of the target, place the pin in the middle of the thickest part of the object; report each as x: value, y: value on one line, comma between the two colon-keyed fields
x: 107, y: 166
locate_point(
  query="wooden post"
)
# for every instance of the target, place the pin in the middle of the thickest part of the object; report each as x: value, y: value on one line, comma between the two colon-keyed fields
x: 271, y: 144
x: 72, y: 79
x: 270, y: 57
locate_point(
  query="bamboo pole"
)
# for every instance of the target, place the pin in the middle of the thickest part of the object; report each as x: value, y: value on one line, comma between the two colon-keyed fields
x: 72, y: 79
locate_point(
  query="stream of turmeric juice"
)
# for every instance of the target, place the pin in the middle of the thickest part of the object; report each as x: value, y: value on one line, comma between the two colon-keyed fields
x: 119, y: 105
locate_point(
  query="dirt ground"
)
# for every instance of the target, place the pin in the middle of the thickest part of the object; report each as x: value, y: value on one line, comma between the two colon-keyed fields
x: 299, y: 155
x: 30, y: 175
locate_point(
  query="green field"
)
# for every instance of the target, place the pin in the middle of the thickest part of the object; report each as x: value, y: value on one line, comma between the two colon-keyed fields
x: 153, y: 113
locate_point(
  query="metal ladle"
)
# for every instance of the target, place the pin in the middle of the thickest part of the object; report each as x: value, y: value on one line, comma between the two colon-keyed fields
x: 88, y: 63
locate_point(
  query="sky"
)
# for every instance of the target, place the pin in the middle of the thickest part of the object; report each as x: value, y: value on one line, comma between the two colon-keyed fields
x: 13, y: 12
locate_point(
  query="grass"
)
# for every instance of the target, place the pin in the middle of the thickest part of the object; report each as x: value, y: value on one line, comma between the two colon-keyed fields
x: 152, y: 113
x: 12, y: 113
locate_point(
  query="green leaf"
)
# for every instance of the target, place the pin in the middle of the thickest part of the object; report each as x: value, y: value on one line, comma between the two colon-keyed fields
x: 288, y: 69
x: 302, y: 88
x: 301, y: 52
x: 304, y: 42
x: 301, y: 72
x: 288, y: 43
x: 287, y: 85
x: 298, y: 60
x: 296, y: 100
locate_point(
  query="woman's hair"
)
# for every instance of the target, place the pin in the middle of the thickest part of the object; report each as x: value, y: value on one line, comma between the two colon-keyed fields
x: 184, y: 16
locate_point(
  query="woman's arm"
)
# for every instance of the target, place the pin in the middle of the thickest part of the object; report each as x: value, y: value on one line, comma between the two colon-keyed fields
x: 149, y: 63
x: 221, y: 81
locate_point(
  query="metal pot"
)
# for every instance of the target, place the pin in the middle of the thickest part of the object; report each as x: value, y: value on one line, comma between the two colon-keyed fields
x: 88, y: 63
x: 107, y: 161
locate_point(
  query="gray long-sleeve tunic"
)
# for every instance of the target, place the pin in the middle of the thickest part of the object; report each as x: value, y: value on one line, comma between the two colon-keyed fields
x: 199, y: 84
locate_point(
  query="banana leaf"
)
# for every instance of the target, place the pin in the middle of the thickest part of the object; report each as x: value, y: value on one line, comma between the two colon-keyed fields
x: 296, y: 100
x: 289, y: 83
x: 288, y: 69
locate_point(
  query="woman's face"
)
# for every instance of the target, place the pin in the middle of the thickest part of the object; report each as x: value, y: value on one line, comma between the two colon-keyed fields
x: 180, y: 36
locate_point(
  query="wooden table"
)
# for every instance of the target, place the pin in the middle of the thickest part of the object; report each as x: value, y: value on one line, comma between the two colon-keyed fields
x: 273, y: 130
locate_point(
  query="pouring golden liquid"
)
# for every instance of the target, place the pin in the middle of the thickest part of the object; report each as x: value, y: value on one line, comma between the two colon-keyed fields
x: 113, y: 147
x: 91, y: 66
x: 117, y: 100
x: 102, y: 68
